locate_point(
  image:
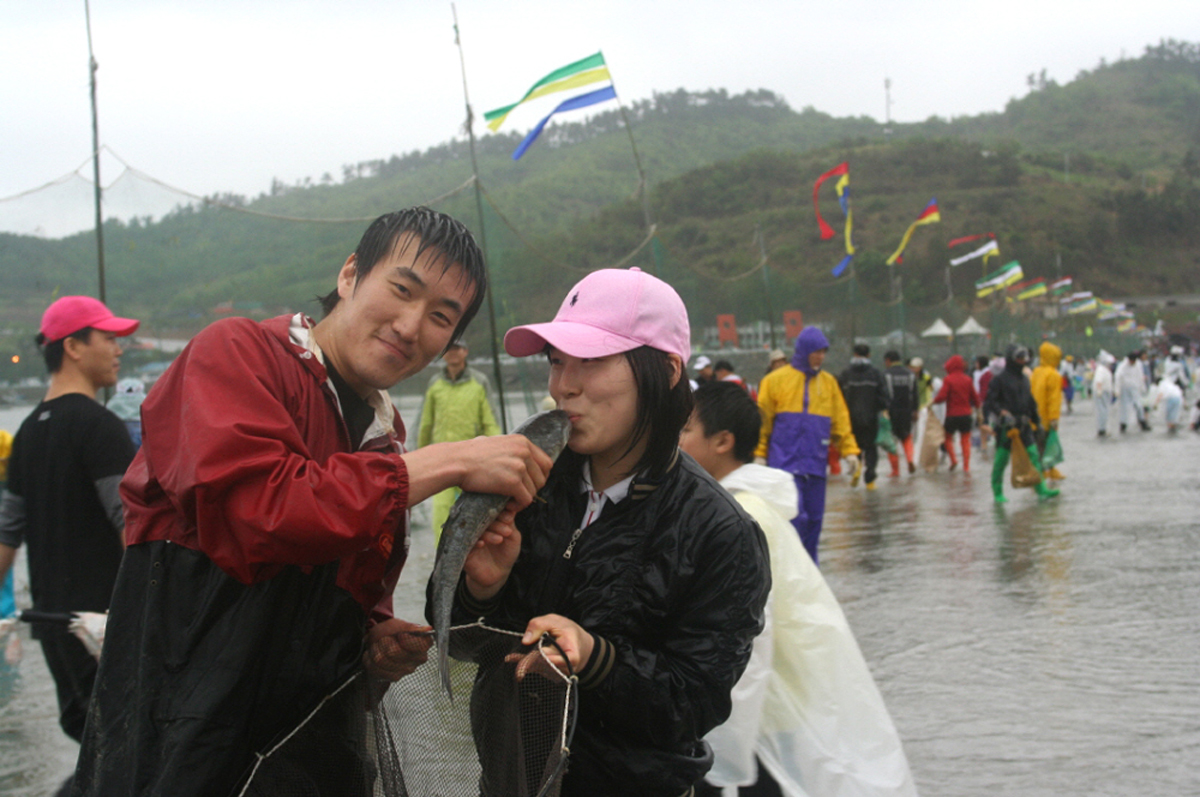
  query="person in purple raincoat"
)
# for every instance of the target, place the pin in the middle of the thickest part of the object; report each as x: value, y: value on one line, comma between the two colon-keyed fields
x: 803, y: 412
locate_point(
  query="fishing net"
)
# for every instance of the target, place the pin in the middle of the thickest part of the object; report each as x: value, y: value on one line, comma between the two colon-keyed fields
x: 505, y: 733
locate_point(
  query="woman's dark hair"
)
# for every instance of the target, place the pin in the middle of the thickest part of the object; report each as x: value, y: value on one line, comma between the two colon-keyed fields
x: 662, y: 410
x: 54, y: 351
x: 432, y: 230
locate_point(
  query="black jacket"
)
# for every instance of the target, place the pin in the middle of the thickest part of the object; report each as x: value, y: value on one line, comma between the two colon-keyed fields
x: 866, y: 394
x: 1010, y: 390
x: 671, y: 581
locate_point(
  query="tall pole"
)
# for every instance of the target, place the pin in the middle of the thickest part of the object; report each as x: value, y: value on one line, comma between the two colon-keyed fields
x: 887, y: 108
x: 762, y: 250
x: 92, y: 67
x: 482, y: 228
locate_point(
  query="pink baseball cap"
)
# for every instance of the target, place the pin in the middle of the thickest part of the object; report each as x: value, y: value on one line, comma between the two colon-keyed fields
x: 73, y: 313
x: 608, y: 312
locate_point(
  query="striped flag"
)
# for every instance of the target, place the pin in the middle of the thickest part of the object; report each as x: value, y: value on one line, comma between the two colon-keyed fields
x: 842, y: 188
x: 929, y: 215
x: 584, y: 72
x: 990, y: 249
x: 1059, y: 287
x: 1031, y: 289
x: 999, y: 279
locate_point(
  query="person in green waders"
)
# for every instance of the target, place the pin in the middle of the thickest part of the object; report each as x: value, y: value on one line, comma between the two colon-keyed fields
x: 457, y: 407
x: 1010, y: 405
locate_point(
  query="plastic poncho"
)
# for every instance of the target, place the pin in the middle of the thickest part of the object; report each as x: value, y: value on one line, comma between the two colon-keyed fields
x: 807, y: 705
x: 1102, y: 381
x: 456, y: 409
x: 1130, y: 377
x: 1046, y: 383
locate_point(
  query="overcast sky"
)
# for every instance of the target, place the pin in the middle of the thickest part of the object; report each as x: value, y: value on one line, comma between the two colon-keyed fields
x: 224, y: 95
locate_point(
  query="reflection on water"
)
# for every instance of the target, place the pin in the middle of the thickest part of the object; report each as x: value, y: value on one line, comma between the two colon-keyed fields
x: 1039, y: 648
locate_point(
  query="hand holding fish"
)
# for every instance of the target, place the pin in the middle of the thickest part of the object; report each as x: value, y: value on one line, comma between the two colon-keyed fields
x: 395, y: 648
x: 492, y: 559
x: 576, y: 643
x: 508, y: 465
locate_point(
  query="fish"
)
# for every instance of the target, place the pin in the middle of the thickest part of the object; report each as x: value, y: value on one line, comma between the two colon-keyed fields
x: 471, y: 514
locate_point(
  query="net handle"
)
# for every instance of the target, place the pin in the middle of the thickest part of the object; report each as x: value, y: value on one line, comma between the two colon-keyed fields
x: 570, y: 711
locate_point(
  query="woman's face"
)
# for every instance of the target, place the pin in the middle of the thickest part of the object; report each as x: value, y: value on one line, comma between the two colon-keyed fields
x: 600, y: 396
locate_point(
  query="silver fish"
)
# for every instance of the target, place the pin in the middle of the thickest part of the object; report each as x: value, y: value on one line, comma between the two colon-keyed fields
x: 471, y: 514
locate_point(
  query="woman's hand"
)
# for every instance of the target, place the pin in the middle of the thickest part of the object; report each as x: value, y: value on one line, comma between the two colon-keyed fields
x: 576, y: 643
x: 394, y: 650
x: 489, y: 563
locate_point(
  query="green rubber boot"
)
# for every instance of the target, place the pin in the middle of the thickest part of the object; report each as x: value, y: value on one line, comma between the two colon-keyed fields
x: 1041, y: 489
x: 999, y: 463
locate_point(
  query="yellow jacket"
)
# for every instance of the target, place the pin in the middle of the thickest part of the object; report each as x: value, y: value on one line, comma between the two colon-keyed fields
x: 1046, y: 384
x: 796, y: 437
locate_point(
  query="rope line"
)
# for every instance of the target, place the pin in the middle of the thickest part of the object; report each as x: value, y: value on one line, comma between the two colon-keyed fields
x: 547, y: 259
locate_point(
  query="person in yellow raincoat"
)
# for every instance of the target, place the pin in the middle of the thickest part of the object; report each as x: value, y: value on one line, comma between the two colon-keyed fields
x: 804, y: 412
x: 457, y: 407
x: 1046, y: 384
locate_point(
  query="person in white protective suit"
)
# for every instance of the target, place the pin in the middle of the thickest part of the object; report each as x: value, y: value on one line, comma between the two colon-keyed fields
x: 1102, y: 390
x: 807, y: 714
x: 1169, y: 395
x: 1130, y: 382
x: 1175, y: 369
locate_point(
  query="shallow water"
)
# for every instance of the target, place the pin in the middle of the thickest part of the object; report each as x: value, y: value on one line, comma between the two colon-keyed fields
x: 1041, y: 648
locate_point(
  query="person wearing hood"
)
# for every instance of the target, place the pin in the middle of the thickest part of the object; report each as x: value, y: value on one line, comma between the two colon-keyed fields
x: 804, y: 413
x: 962, y: 404
x: 866, y: 396
x: 1102, y: 390
x: 1047, y: 387
x: 1131, y: 384
x: 1010, y: 405
x: 807, y: 716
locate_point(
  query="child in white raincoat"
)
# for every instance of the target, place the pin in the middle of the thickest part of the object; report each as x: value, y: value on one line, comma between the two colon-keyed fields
x: 806, y: 707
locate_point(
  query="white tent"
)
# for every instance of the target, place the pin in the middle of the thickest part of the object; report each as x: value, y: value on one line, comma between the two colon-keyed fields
x: 971, y: 327
x: 939, y: 329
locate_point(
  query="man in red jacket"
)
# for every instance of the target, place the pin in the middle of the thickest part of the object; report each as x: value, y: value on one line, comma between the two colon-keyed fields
x: 962, y: 404
x: 266, y: 529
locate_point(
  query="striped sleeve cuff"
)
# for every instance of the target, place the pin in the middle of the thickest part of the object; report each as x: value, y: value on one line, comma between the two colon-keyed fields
x: 599, y: 665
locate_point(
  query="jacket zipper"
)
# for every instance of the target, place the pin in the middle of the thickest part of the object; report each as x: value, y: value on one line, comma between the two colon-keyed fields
x: 571, y: 545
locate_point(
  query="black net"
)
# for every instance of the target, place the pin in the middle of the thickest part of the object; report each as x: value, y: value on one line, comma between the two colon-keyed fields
x: 505, y: 733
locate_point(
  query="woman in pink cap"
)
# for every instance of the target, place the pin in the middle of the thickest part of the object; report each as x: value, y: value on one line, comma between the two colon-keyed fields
x: 649, y: 576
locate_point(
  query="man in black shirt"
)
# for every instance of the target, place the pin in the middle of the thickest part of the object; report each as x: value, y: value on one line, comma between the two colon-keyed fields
x: 61, y: 499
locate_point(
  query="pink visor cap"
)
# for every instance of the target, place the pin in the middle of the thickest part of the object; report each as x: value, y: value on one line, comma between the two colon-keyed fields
x: 609, y: 312
x: 73, y: 313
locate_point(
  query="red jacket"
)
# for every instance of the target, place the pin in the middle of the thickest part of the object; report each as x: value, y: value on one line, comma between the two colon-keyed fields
x: 247, y: 459
x: 958, y: 391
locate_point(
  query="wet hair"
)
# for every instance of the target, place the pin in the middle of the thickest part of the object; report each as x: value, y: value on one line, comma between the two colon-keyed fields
x: 726, y: 407
x: 723, y: 365
x: 981, y: 362
x: 892, y: 356
x: 862, y: 350
x: 54, y: 351
x: 392, y: 234
x: 662, y: 410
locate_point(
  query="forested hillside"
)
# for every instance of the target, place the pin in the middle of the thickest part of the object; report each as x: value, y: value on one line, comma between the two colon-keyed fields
x: 1102, y: 172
